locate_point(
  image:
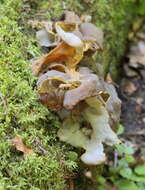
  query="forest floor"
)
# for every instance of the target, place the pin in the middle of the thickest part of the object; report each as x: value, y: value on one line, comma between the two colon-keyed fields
x: 132, y: 93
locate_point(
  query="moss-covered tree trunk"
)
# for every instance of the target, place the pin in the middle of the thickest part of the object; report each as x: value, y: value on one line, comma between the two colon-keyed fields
x: 20, y: 113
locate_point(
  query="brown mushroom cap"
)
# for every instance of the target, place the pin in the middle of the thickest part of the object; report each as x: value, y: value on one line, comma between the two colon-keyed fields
x: 92, y: 33
x: 51, y: 74
x: 63, y: 53
x: 48, y: 88
x: 90, y: 86
x: 71, y: 17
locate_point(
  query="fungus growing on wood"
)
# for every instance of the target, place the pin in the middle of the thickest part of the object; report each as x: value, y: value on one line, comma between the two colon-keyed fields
x: 75, y: 92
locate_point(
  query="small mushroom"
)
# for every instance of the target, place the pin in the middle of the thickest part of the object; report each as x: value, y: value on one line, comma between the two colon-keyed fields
x: 113, y: 105
x: 90, y: 86
x: 71, y: 17
x: 46, y: 39
x: 46, y: 36
x: 57, y: 66
x: 68, y: 37
x: 48, y: 89
x: 88, y: 106
x: 92, y: 34
x: 97, y: 115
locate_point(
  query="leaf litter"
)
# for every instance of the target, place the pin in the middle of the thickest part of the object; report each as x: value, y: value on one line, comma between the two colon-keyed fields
x: 132, y: 93
x: 19, y: 144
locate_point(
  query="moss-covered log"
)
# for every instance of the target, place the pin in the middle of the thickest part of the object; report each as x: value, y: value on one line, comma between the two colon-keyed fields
x: 20, y: 113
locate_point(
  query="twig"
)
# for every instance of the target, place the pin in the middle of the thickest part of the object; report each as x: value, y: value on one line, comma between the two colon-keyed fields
x: 142, y: 132
x: 42, y: 149
x: 115, y: 159
x: 71, y: 184
x: 37, y: 142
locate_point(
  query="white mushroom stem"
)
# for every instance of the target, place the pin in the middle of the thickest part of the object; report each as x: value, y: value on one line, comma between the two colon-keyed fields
x: 70, y: 132
x: 94, y: 154
x: 98, y: 117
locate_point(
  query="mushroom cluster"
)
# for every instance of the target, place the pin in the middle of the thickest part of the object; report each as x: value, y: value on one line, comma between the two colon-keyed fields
x: 88, y: 106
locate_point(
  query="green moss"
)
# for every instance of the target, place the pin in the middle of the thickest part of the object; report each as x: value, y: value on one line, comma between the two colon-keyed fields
x: 20, y: 112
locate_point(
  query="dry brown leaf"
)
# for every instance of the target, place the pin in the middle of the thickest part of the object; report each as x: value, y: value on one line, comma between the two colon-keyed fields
x: 138, y: 108
x: 129, y: 72
x: 18, y: 143
x: 130, y: 88
x: 137, y: 54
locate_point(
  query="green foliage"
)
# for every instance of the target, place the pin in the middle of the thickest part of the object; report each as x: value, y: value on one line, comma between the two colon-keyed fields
x: 72, y: 155
x: 140, y: 169
x: 126, y: 185
x: 141, y: 7
x: 33, y: 172
x: 101, y: 180
x: 120, y: 129
x: 123, y: 149
x: 127, y: 174
x: 99, y: 187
